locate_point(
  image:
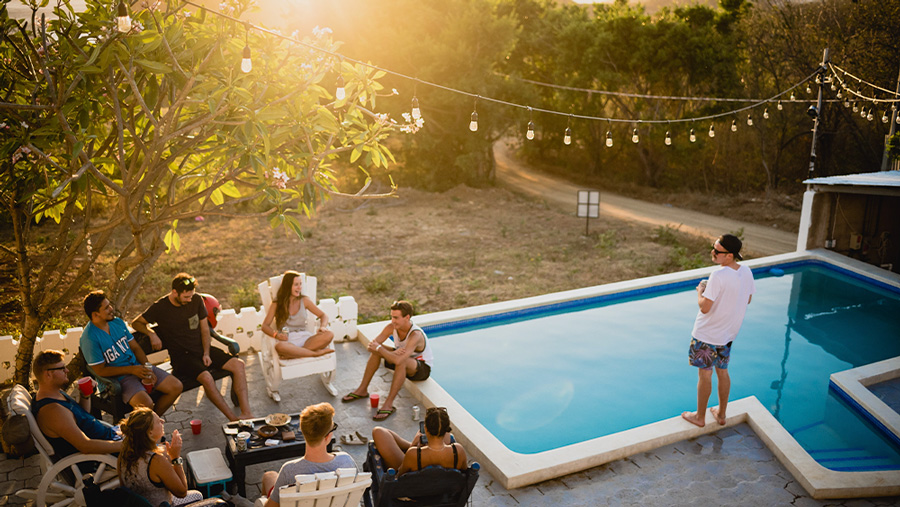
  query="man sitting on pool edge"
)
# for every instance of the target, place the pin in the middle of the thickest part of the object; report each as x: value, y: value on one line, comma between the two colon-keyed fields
x: 411, y: 359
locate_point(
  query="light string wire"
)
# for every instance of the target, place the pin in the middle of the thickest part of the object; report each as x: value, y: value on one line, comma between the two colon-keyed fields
x: 756, y: 103
x: 863, y: 82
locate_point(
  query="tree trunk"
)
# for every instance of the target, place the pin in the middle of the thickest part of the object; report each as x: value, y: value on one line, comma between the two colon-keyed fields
x: 25, y: 352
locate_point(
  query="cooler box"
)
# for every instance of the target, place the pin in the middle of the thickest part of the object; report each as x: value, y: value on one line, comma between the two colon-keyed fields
x: 209, y: 470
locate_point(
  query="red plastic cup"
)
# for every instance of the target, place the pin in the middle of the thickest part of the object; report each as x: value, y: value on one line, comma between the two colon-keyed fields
x: 195, y: 426
x: 86, y: 384
x: 148, y: 385
x: 373, y: 400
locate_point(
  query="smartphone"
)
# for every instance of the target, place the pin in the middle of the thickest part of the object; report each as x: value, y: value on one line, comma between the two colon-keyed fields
x: 422, y: 440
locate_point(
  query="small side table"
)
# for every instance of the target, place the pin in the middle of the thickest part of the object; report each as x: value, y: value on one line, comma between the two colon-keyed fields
x: 209, y: 469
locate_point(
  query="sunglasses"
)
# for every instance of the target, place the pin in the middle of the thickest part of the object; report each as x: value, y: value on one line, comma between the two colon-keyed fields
x: 56, y: 368
x: 718, y: 252
x: 190, y: 281
x: 334, y: 428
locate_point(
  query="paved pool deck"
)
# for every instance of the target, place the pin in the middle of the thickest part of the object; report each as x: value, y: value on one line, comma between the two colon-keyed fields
x: 729, y: 467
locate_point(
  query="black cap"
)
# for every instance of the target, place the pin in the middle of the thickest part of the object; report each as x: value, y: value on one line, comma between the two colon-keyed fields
x: 732, y: 245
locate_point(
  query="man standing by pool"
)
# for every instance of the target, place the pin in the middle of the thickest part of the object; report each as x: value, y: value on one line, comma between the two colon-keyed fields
x: 723, y: 302
x: 411, y: 359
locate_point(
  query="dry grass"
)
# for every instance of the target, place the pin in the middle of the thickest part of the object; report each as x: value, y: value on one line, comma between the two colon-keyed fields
x: 440, y: 251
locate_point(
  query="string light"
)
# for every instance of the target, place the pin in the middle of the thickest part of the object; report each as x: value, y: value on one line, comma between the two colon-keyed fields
x: 846, y: 102
x: 609, y: 141
x: 340, y: 92
x: 635, y: 138
x: 884, y: 117
x: 862, y: 113
x: 766, y: 114
x: 855, y: 107
x: 246, y: 63
x: 808, y: 89
x: 839, y: 94
x: 416, y: 112
x: 793, y: 97
x: 712, y: 131
x: 779, y: 106
x: 749, y: 120
x: 567, y: 138
x: 734, y: 125
x: 473, y: 122
x: 529, y: 134
x: 123, y: 20
x: 668, y: 139
x: 870, y: 116
x: 693, y: 137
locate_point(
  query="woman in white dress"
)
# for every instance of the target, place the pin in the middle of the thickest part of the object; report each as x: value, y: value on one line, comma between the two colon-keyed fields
x: 286, y: 321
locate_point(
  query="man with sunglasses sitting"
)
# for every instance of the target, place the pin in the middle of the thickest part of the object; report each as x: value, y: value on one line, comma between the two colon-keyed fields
x: 723, y: 302
x: 181, y: 322
x: 66, y: 423
x: 317, y: 425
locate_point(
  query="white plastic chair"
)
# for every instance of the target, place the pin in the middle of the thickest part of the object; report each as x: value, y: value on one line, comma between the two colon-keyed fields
x: 341, y: 488
x: 276, y: 369
x: 57, y: 487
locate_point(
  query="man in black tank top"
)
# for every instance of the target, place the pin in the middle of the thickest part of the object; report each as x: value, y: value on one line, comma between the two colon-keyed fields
x: 65, y: 423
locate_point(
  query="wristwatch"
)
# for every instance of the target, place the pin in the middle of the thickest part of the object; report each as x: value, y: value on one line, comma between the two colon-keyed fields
x: 178, y: 461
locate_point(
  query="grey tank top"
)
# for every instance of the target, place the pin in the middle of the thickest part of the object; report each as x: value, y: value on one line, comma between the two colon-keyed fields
x: 137, y: 478
x: 297, y: 321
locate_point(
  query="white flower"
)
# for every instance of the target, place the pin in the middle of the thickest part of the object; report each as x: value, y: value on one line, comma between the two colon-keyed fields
x: 319, y: 32
x: 382, y: 119
x: 394, y: 91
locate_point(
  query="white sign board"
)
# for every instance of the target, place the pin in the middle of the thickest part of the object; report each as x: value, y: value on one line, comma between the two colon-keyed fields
x: 588, y: 204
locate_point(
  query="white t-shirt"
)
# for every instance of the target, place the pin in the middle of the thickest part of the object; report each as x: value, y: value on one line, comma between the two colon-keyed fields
x: 730, y: 292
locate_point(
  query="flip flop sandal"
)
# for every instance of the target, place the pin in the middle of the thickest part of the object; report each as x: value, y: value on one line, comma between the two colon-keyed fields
x: 353, y: 397
x: 349, y: 439
x: 362, y: 438
x: 384, y: 413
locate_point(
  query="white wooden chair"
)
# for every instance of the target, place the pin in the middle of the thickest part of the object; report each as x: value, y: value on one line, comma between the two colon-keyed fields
x: 276, y: 369
x: 342, y: 488
x: 62, y: 482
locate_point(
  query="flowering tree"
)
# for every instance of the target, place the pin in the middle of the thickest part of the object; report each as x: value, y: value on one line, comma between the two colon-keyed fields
x: 123, y: 132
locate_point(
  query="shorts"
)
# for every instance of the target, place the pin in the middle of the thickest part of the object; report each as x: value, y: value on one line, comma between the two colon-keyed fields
x: 704, y: 355
x: 132, y: 385
x: 298, y: 338
x: 190, y: 366
x: 423, y: 371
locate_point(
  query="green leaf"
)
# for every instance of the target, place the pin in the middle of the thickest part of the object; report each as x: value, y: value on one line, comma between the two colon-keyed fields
x: 230, y: 189
x: 217, y: 198
x: 154, y: 67
x: 293, y: 225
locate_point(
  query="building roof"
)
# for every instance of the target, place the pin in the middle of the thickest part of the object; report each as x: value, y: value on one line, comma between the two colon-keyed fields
x: 883, y: 182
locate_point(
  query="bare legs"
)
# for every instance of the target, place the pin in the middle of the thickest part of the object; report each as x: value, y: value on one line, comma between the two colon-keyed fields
x: 704, y: 389
x: 390, y: 446
x: 236, y: 367
x: 314, y: 346
x: 406, y: 367
x: 171, y: 388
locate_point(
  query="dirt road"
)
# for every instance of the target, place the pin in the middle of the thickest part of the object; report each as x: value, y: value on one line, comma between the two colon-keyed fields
x: 759, y: 239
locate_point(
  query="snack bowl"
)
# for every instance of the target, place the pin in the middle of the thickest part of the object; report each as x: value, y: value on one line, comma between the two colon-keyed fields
x: 277, y: 419
x: 267, y: 431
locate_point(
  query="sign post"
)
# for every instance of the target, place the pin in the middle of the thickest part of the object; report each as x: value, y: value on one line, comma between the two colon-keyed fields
x: 588, y: 206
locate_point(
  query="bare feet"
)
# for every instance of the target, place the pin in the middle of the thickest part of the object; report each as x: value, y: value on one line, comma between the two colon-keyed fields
x: 719, y: 419
x: 247, y: 416
x: 692, y: 418
x: 323, y: 352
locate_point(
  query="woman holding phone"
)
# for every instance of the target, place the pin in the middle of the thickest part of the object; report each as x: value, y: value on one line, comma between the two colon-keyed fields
x: 435, y: 447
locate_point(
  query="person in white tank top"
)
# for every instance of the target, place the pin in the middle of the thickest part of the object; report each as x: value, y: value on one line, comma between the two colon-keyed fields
x: 723, y: 303
x: 410, y: 358
x: 286, y: 321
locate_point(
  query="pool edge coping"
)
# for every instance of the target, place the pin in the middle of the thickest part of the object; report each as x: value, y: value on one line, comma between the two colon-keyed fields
x: 514, y: 470
x: 853, y: 384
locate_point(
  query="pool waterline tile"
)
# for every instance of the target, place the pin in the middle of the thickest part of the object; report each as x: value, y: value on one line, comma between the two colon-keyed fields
x: 515, y: 470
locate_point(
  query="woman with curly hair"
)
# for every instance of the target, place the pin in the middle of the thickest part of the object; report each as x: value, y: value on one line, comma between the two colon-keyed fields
x: 287, y: 313
x: 439, y: 449
x: 147, y: 470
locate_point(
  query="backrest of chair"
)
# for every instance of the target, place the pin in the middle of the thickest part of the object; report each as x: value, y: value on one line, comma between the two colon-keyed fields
x: 343, y: 488
x: 19, y: 403
x: 268, y: 289
x: 434, y: 485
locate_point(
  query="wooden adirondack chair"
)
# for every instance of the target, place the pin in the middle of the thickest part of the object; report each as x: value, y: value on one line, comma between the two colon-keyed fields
x: 341, y: 488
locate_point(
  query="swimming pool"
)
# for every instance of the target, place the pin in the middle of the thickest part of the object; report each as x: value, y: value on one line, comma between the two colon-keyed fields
x: 537, y: 421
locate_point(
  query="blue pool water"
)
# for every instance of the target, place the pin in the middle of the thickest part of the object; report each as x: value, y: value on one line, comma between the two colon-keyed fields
x: 544, y: 378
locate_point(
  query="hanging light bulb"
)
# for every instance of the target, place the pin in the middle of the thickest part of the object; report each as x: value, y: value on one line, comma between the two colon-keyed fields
x: 749, y: 120
x: 855, y: 107
x: 734, y: 125
x: 712, y: 131
x: 123, y: 20
x: 766, y: 114
x: 693, y: 137
x: 829, y: 79
x: 870, y: 116
x: 898, y: 119
x: 846, y: 102
x: 808, y: 89
x: 416, y: 112
x: 779, y: 106
x: 862, y: 113
x: 833, y: 86
x: 567, y: 138
x: 839, y: 94
x: 668, y: 139
x: 340, y: 93
x: 530, y: 132
x: 635, y: 138
x: 884, y: 117
x: 246, y: 63
x: 473, y: 123
x: 609, y: 141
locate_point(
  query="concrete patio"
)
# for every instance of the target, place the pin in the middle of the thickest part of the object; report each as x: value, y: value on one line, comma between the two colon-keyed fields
x: 730, y: 467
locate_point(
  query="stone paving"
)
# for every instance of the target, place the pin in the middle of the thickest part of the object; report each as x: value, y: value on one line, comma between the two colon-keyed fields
x: 730, y: 467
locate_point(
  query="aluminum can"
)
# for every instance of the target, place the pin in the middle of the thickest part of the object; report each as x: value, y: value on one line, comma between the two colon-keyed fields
x: 415, y: 410
x: 240, y: 444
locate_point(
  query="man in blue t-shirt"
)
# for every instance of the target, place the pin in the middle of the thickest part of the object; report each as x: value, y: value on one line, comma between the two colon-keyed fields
x: 110, y: 349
